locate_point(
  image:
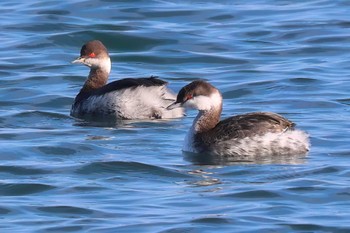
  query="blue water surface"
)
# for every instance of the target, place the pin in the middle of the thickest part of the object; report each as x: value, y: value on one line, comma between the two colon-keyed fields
x: 60, y: 174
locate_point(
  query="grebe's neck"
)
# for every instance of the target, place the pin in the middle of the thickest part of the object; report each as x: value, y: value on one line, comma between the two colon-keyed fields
x: 207, y: 120
x: 210, y: 108
x: 98, y: 75
x: 97, y: 78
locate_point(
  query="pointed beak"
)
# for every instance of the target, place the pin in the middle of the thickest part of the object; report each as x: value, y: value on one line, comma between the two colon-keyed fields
x: 174, y: 105
x: 79, y: 60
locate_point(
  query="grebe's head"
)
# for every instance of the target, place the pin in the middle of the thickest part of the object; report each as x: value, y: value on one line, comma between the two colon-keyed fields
x: 198, y: 95
x: 94, y: 55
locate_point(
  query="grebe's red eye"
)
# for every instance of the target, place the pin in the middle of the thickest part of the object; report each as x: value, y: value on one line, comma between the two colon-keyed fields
x: 189, y: 96
x: 92, y: 55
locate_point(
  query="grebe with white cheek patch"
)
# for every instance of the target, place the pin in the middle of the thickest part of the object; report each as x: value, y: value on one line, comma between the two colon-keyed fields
x: 251, y: 134
x: 130, y: 98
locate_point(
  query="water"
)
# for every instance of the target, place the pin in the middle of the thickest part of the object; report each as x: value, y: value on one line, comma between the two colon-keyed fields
x: 59, y: 174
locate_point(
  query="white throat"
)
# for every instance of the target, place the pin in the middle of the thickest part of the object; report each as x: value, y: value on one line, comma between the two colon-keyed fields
x: 105, y: 65
x: 102, y: 63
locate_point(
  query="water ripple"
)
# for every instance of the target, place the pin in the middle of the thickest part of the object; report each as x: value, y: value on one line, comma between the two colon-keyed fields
x: 22, y: 189
x: 121, y: 167
x: 16, y: 170
x: 61, y: 174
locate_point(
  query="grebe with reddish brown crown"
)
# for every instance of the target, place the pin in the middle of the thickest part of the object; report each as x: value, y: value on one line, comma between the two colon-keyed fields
x: 130, y: 98
x: 251, y: 134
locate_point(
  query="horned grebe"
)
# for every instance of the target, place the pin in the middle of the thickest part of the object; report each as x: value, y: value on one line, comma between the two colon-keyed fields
x: 251, y: 134
x: 130, y: 98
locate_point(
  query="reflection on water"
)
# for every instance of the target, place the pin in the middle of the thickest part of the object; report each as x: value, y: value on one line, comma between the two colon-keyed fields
x: 209, y: 159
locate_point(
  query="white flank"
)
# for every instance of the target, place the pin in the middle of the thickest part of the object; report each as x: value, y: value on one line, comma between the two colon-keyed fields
x: 133, y: 103
x: 294, y: 142
x: 271, y: 144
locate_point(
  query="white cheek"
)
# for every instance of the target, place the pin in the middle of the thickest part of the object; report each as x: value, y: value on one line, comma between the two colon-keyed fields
x: 103, y: 63
x: 92, y: 62
x: 190, y: 104
x: 89, y: 62
x: 199, y: 102
x: 204, y: 103
x: 216, y: 99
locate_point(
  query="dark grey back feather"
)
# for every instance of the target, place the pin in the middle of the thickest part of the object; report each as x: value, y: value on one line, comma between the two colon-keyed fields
x: 120, y: 85
x: 246, y: 125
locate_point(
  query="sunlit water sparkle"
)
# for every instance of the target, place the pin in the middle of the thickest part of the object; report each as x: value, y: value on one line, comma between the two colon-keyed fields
x: 60, y: 174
